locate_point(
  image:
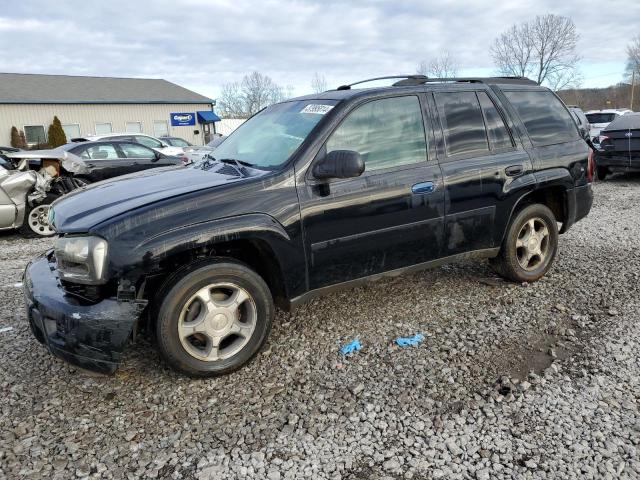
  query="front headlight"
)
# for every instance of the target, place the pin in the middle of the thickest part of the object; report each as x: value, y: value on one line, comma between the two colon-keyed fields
x: 81, y: 259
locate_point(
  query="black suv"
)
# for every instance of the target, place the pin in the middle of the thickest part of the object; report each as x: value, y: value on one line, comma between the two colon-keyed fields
x: 309, y: 195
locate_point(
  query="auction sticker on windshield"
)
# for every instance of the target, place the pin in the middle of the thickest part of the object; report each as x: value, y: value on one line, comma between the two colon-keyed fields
x: 316, y: 108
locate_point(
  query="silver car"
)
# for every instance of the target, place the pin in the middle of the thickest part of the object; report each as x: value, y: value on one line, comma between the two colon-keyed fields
x: 24, y: 199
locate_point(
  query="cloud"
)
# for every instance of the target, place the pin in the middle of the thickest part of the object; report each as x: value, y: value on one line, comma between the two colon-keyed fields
x: 202, y: 44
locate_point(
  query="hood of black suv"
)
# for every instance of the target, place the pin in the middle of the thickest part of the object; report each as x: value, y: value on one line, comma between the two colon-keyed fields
x: 89, y: 206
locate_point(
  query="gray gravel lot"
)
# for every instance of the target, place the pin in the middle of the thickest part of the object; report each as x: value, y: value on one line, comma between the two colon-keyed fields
x: 463, y: 404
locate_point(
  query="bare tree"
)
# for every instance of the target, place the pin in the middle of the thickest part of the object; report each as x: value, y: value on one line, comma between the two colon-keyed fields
x: 318, y: 83
x: 633, y: 57
x: 443, y: 66
x: 256, y: 91
x: 543, y: 49
x: 259, y: 91
x: 231, y: 103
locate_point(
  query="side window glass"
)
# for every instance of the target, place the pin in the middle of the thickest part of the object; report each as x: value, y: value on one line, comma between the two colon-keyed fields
x: 387, y: 133
x: 133, y: 150
x: 100, y: 152
x: 498, y: 132
x: 149, y: 142
x: 462, y: 123
x: 546, y: 119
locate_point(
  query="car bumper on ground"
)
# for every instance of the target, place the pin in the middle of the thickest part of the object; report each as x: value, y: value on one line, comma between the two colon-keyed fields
x: 89, y: 335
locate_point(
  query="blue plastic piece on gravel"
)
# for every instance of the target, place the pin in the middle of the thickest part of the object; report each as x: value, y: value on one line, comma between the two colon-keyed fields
x: 410, y: 341
x: 351, y: 347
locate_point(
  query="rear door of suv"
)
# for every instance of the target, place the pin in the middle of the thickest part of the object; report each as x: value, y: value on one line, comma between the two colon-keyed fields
x: 482, y: 165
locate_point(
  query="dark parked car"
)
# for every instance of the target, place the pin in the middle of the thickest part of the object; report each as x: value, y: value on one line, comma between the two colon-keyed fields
x: 310, y: 195
x: 94, y: 161
x: 619, y: 146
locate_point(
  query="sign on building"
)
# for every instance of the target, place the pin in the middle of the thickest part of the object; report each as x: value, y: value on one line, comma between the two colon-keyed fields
x: 182, y: 119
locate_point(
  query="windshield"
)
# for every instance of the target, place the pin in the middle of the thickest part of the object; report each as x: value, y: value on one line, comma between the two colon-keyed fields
x: 601, y: 117
x: 177, y: 142
x: 268, y: 139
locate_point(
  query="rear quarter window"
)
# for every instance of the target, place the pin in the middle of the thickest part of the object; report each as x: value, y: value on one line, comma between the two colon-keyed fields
x: 546, y: 119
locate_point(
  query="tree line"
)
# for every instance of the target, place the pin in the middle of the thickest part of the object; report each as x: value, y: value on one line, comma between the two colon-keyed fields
x: 543, y: 49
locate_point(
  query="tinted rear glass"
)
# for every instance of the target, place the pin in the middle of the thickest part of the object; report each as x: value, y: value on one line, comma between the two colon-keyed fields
x: 601, y: 117
x: 545, y: 117
x: 462, y: 123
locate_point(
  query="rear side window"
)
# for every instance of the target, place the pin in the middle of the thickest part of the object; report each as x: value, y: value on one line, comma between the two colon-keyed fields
x: 544, y: 116
x: 387, y: 133
x: 99, y: 152
x: 496, y: 129
x: 462, y: 123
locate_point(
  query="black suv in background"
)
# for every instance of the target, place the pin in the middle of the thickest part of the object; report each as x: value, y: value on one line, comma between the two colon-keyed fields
x: 310, y: 195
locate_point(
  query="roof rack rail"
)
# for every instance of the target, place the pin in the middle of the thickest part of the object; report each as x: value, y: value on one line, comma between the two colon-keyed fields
x: 412, y: 80
x: 415, y: 78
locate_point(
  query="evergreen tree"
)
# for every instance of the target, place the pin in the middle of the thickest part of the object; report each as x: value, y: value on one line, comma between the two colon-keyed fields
x: 56, y: 134
x: 15, y: 138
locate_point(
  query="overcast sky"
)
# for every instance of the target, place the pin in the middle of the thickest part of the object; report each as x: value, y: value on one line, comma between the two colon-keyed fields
x: 202, y: 44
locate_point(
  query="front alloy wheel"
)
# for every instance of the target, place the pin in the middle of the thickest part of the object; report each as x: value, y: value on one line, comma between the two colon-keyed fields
x: 213, y: 317
x: 217, y: 322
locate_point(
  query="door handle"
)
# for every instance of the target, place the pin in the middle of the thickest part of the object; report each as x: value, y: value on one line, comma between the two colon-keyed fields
x: 514, y: 170
x: 423, y: 188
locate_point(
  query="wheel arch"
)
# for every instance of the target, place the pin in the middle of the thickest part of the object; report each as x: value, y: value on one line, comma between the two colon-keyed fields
x: 255, y: 240
x: 554, y: 195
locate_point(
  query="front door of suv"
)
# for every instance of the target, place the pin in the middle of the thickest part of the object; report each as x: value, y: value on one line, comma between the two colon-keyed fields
x: 388, y: 218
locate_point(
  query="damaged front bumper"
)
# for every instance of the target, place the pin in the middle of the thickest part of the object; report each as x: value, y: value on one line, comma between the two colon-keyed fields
x: 89, y: 335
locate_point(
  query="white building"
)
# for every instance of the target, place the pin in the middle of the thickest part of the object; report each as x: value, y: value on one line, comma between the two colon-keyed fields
x: 101, y: 105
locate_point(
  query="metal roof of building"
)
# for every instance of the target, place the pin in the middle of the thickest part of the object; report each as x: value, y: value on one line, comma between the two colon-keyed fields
x: 36, y: 88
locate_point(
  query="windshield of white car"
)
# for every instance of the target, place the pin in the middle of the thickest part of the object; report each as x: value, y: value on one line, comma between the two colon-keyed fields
x: 268, y: 139
x: 176, y: 142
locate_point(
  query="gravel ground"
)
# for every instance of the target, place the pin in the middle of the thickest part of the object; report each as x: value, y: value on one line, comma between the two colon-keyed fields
x: 511, y: 381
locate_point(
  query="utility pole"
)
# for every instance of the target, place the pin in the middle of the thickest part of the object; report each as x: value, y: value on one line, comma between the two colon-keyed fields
x: 633, y: 86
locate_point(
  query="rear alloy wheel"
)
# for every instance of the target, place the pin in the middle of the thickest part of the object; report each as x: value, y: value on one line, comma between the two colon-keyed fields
x: 530, y: 245
x: 36, y: 222
x: 214, y: 318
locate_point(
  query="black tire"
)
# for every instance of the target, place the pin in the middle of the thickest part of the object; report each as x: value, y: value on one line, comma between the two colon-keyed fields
x: 507, y: 263
x: 601, y: 173
x: 182, y: 289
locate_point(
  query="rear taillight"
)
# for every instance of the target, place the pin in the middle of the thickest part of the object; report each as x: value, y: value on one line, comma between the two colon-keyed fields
x: 185, y: 160
x: 591, y: 166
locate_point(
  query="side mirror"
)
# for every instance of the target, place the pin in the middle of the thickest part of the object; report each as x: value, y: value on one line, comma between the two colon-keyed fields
x: 339, y: 164
x: 158, y: 156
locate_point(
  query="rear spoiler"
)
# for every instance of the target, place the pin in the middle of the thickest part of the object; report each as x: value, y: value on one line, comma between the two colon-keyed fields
x: 79, y: 139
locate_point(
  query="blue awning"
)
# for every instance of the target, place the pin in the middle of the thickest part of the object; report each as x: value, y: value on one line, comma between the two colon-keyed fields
x: 207, y: 116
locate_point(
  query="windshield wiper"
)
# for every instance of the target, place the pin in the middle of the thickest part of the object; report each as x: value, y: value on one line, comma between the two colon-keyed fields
x: 238, y: 164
